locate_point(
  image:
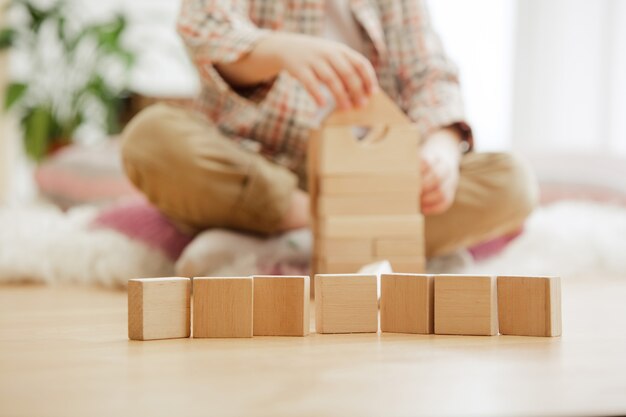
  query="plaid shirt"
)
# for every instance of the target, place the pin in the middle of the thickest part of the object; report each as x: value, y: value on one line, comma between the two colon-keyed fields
x: 406, y: 53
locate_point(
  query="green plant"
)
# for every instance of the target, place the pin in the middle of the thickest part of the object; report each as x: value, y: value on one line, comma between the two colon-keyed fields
x: 76, y: 73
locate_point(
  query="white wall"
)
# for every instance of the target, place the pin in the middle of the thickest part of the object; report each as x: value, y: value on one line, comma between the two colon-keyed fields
x: 570, y: 89
x: 479, y: 36
x: 617, y: 75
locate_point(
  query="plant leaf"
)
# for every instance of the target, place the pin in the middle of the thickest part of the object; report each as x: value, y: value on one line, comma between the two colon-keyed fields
x: 14, y: 93
x: 37, y: 136
x: 7, y: 38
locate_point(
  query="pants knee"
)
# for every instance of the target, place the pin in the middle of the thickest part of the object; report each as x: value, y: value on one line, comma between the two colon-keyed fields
x: 519, y: 192
x: 144, y: 136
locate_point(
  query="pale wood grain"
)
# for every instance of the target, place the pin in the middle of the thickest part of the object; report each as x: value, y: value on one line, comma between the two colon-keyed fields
x: 346, y: 303
x: 407, y: 303
x: 374, y: 227
x: 222, y: 307
x: 380, y: 110
x: 281, y: 305
x: 158, y: 308
x: 466, y: 305
x: 64, y: 352
x: 352, y: 264
x: 413, y: 246
x: 529, y: 306
x: 366, y: 184
x: 364, y: 187
x: 369, y: 204
x: 360, y: 248
x: 396, y: 151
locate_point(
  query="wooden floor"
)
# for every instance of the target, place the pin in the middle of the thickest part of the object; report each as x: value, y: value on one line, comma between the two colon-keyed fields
x: 64, y: 352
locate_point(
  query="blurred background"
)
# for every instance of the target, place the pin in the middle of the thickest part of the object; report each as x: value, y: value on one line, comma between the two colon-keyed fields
x: 544, y: 78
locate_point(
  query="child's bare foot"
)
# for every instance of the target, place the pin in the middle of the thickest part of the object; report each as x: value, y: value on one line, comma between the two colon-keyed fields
x: 298, y: 214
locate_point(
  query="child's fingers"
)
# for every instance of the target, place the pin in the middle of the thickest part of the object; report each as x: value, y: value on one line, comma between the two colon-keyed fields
x: 432, y: 197
x: 328, y: 76
x: 365, y: 70
x: 351, y: 80
x: 436, y: 208
x: 430, y: 181
x: 311, y: 84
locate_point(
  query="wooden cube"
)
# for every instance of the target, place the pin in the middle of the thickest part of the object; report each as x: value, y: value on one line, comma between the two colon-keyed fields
x: 366, y: 184
x: 407, y: 264
x: 466, y: 305
x: 281, y: 305
x: 158, y: 308
x: 371, y: 227
x: 413, y: 246
x: 529, y: 306
x: 362, y: 248
x: 386, y: 149
x: 346, y: 303
x: 407, y: 303
x: 338, y: 266
x: 222, y: 307
x: 351, y: 264
x: 406, y: 202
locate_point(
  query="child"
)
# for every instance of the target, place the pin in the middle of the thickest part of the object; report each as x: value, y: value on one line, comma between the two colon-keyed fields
x: 238, y: 160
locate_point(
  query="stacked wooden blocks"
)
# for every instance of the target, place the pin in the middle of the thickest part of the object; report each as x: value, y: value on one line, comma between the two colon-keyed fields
x: 344, y: 303
x: 365, y: 192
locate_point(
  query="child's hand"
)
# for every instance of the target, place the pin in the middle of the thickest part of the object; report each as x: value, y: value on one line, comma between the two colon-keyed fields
x: 348, y: 75
x: 440, y: 171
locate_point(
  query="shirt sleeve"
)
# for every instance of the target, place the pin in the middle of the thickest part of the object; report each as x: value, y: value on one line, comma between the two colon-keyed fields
x: 217, y: 32
x: 431, y: 94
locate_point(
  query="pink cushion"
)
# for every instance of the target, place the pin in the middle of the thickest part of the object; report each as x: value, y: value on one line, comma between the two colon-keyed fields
x: 139, y: 220
x: 84, y: 175
x: 492, y: 247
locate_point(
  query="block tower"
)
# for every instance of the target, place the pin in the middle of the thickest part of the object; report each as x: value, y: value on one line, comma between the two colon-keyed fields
x: 364, y: 183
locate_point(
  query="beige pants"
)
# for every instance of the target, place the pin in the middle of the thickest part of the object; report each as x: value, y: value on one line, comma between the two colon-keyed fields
x: 201, y: 179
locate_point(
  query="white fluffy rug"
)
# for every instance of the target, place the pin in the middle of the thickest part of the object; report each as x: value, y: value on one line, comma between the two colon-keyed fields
x: 45, y: 245
x: 570, y: 239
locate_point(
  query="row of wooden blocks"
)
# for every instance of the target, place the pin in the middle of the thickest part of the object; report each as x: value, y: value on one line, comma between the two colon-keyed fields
x: 160, y: 308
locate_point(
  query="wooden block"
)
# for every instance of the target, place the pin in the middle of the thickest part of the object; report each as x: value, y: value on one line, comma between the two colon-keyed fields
x: 281, y: 305
x: 529, y: 306
x: 466, y: 305
x: 372, y: 227
x: 405, y: 264
x: 370, y: 184
x: 222, y: 307
x: 399, y: 247
x: 380, y: 110
x: 323, y: 266
x: 362, y: 248
x: 370, y: 204
x: 158, y: 308
x: 391, y: 149
x: 350, y: 265
x: 346, y: 304
x: 407, y: 303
